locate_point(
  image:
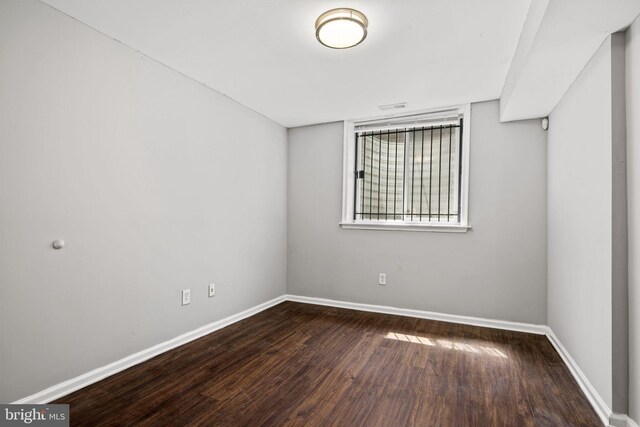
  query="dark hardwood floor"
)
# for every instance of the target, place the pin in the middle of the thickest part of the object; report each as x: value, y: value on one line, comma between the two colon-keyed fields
x: 300, y: 364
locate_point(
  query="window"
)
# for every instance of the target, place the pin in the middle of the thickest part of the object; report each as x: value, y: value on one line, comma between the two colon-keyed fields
x: 407, y: 172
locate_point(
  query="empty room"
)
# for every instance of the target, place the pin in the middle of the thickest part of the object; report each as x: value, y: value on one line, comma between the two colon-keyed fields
x: 320, y: 213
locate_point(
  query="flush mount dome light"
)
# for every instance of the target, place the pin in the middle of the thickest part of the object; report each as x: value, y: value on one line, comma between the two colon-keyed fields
x: 341, y: 28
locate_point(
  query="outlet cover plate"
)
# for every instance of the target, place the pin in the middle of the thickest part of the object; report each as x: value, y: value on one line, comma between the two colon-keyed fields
x: 382, y: 279
x: 186, y: 296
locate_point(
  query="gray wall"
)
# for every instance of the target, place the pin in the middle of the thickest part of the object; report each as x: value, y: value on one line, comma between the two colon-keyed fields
x: 497, y: 270
x: 156, y: 183
x: 584, y: 216
x: 619, y: 244
x: 633, y: 194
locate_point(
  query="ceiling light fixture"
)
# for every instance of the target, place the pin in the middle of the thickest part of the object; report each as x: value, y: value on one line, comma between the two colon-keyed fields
x: 341, y: 28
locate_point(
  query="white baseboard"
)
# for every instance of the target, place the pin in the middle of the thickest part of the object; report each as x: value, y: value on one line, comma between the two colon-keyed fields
x: 69, y: 386
x: 604, y: 413
x: 617, y: 420
x: 620, y: 420
x: 598, y: 404
x: 431, y: 315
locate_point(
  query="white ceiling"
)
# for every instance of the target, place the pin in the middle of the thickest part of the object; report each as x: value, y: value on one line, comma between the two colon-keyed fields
x: 558, y: 39
x: 263, y: 53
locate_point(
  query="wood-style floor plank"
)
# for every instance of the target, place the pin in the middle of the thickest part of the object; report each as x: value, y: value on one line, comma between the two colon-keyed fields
x: 305, y: 365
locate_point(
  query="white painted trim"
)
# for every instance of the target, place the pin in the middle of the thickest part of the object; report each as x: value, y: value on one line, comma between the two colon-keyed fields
x: 434, y: 112
x: 466, y: 154
x: 617, y: 420
x: 403, y: 226
x: 604, y: 413
x: 69, y: 386
x: 620, y: 420
x: 599, y: 405
x: 349, y: 157
x: 431, y: 315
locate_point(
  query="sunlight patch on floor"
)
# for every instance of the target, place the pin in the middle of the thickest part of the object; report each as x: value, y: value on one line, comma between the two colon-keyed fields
x: 491, y: 351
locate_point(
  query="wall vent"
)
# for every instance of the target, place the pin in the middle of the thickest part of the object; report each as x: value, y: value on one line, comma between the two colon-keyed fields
x: 398, y: 106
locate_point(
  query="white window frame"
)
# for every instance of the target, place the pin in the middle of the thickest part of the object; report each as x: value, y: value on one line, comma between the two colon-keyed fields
x: 348, y: 176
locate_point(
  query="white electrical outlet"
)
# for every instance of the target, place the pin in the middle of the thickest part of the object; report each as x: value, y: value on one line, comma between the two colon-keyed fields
x: 382, y: 279
x: 186, y: 296
x: 212, y: 290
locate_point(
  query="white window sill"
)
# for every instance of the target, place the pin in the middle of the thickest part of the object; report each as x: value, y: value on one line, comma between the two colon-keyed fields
x: 396, y: 226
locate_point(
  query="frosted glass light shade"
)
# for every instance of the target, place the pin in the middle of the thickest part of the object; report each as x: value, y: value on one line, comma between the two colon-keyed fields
x: 341, y: 28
